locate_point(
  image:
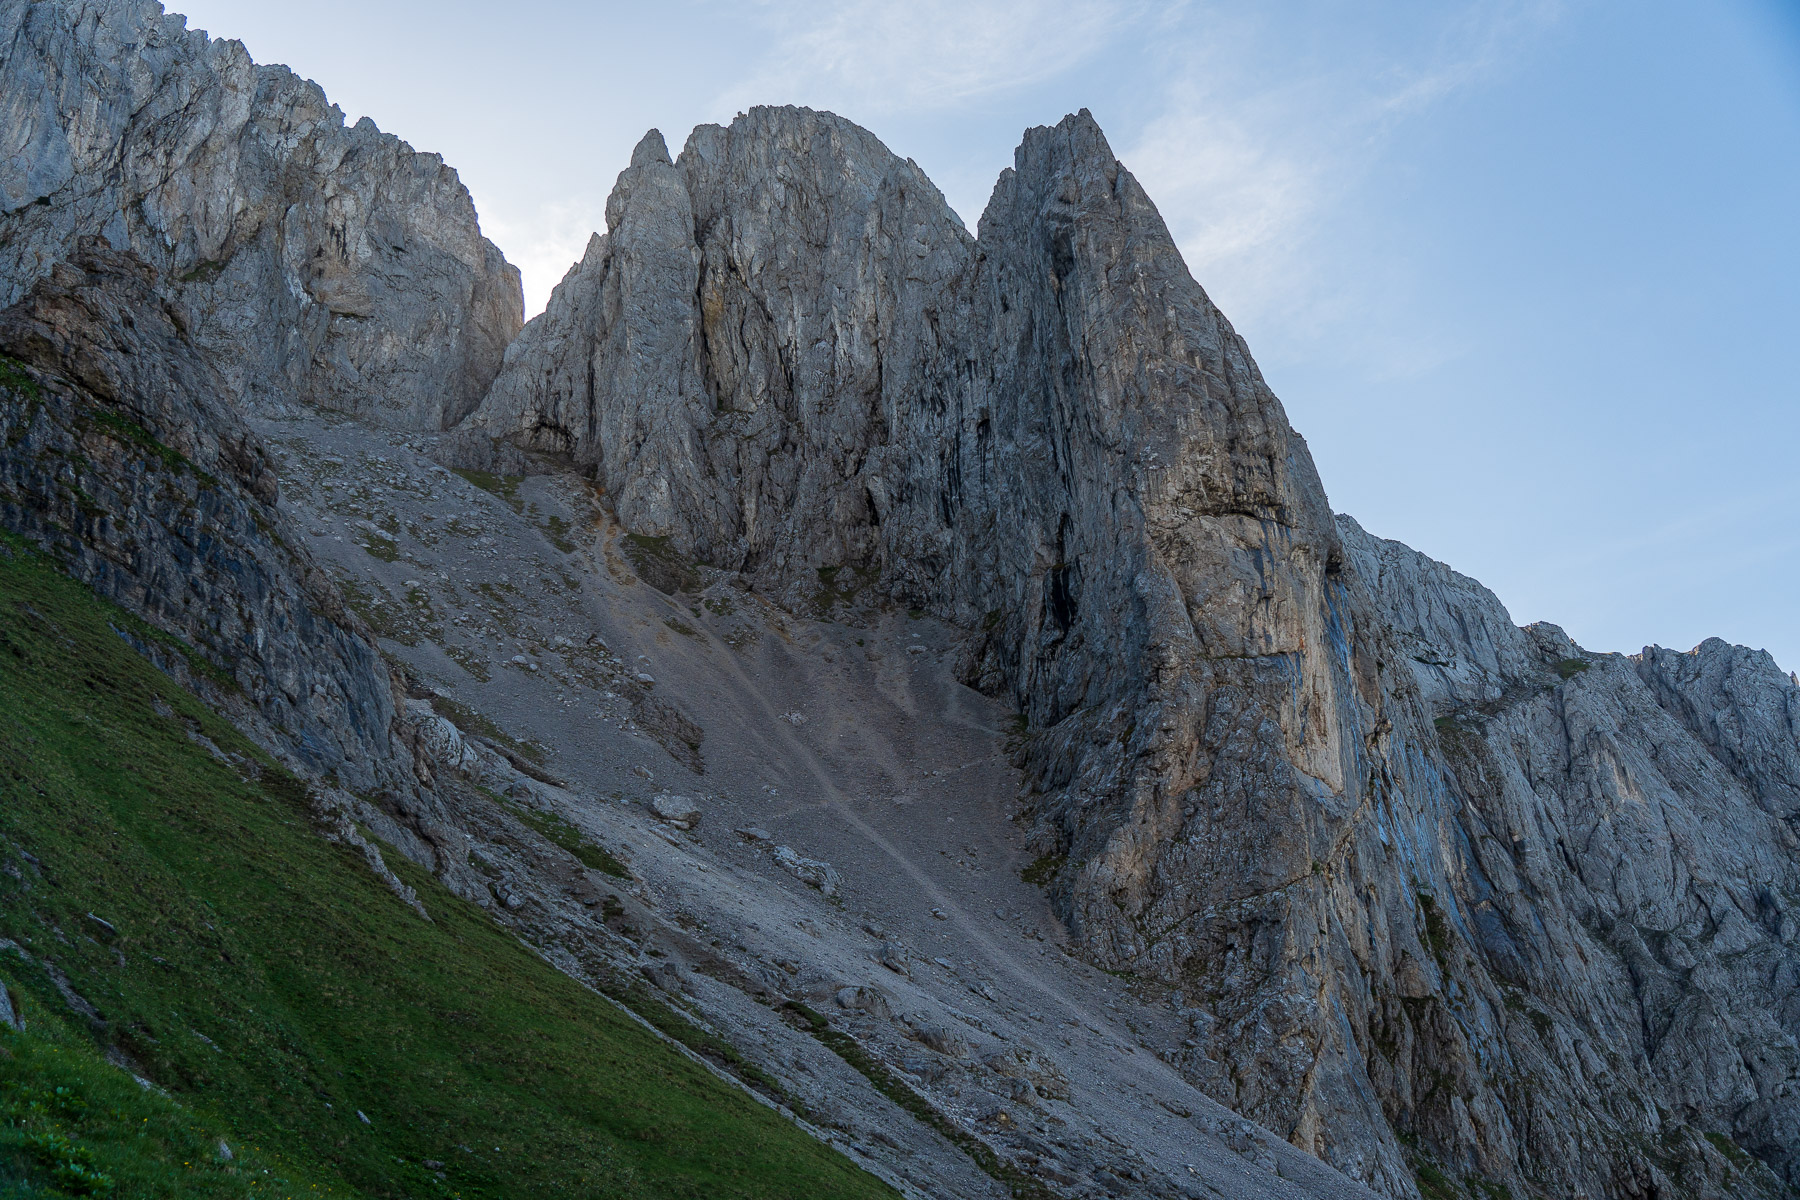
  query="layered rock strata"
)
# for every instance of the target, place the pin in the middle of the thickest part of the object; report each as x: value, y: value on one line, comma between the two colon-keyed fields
x: 312, y: 263
x: 1393, y: 854
x: 124, y: 459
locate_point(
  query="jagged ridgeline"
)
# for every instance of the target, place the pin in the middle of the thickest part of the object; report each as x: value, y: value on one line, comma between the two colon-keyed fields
x: 1459, y: 908
x: 1425, y: 878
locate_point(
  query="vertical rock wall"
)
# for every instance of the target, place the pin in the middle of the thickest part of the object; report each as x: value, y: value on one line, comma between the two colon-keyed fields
x: 1426, y: 883
x: 312, y: 263
x: 121, y: 456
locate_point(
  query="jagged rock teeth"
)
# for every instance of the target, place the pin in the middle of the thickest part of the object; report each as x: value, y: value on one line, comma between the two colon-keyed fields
x: 1417, y: 871
x: 1314, y: 777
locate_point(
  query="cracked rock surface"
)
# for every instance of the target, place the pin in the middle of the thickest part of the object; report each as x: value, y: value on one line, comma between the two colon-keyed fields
x: 1271, y: 760
x: 1062, y: 759
x: 313, y: 263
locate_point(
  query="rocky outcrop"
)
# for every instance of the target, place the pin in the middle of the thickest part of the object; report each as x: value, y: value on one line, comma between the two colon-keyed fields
x: 311, y: 263
x: 1437, y: 894
x: 1613, y: 916
x: 123, y: 458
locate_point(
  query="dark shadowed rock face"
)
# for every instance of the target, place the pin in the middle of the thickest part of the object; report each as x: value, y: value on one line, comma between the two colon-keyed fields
x: 313, y: 263
x: 1413, y: 869
x: 124, y: 460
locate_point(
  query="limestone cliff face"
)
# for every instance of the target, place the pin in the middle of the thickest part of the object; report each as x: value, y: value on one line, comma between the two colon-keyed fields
x: 313, y: 263
x: 124, y: 459
x: 1416, y: 873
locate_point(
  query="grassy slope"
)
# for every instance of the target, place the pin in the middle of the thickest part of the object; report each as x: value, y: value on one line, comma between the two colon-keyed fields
x: 274, y: 987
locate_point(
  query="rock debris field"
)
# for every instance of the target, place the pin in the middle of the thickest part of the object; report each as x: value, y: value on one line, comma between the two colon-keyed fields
x: 849, y: 841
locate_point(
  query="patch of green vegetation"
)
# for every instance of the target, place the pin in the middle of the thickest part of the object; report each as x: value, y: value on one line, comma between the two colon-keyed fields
x: 559, y: 831
x: 283, y: 996
x: 713, y: 1048
x: 13, y: 375
x: 840, y: 585
x: 205, y: 271
x: 1568, y: 668
x: 504, y: 486
x: 127, y: 626
x: 1734, y: 1154
x: 470, y: 661
x: 72, y: 1124
x: 913, y: 614
x: 1043, y: 869
x: 382, y: 548
x: 658, y: 565
x: 557, y: 530
x: 130, y: 432
x: 383, y: 617
x: 470, y: 721
x: 1019, y: 1184
x: 1434, y: 1184
x: 497, y: 593
x: 1436, y: 934
x: 1539, y: 1019
x: 682, y: 627
x: 990, y: 620
x: 721, y: 606
x: 1016, y: 738
x: 1480, y: 1186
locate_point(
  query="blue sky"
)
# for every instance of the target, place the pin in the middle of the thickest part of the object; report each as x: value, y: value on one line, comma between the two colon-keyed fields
x: 1526, y: 273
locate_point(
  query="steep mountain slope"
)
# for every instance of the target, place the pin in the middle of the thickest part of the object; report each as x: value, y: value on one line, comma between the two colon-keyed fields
x: 1627, y: 831
x: 124, y: 455
x: 788, y: 359
x: 312, y: 263
x: 1456, y: 908
x: 162, y: 887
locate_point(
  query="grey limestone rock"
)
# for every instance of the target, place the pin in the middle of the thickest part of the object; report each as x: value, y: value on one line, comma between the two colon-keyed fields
x: 125, y: 460
x: 311, y: 263
x: 1437, y: 878
x: 678, y: 811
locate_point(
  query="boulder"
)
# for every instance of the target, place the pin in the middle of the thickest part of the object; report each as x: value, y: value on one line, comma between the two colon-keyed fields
x: 678, y: 811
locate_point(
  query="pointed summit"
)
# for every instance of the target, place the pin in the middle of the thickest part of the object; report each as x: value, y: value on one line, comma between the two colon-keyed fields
x: 651, y: 149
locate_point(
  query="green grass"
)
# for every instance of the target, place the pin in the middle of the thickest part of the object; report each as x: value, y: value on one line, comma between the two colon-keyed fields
x: 1043, y: 869
x: 504, y: 486
x: 841, y: 585
x: 1434, y: 1184
x: 205, y: 271
x: 481, y: 725
x: 560, y: 832
x: 557, y: 530
x: 274, y: 987
x: 1020, y: 1185
x: 124, y: 428
x: 72, y: 1124
x: 384, y: 618
x: 469, y: 660
x: 657, y: 564
x: 1734, y: 1154
x: 13, y: 375
x: 1568, y: 668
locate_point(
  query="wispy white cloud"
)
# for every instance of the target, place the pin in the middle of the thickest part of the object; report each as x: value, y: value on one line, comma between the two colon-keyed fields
x: 876, y: 56
x: 1257, y: 147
